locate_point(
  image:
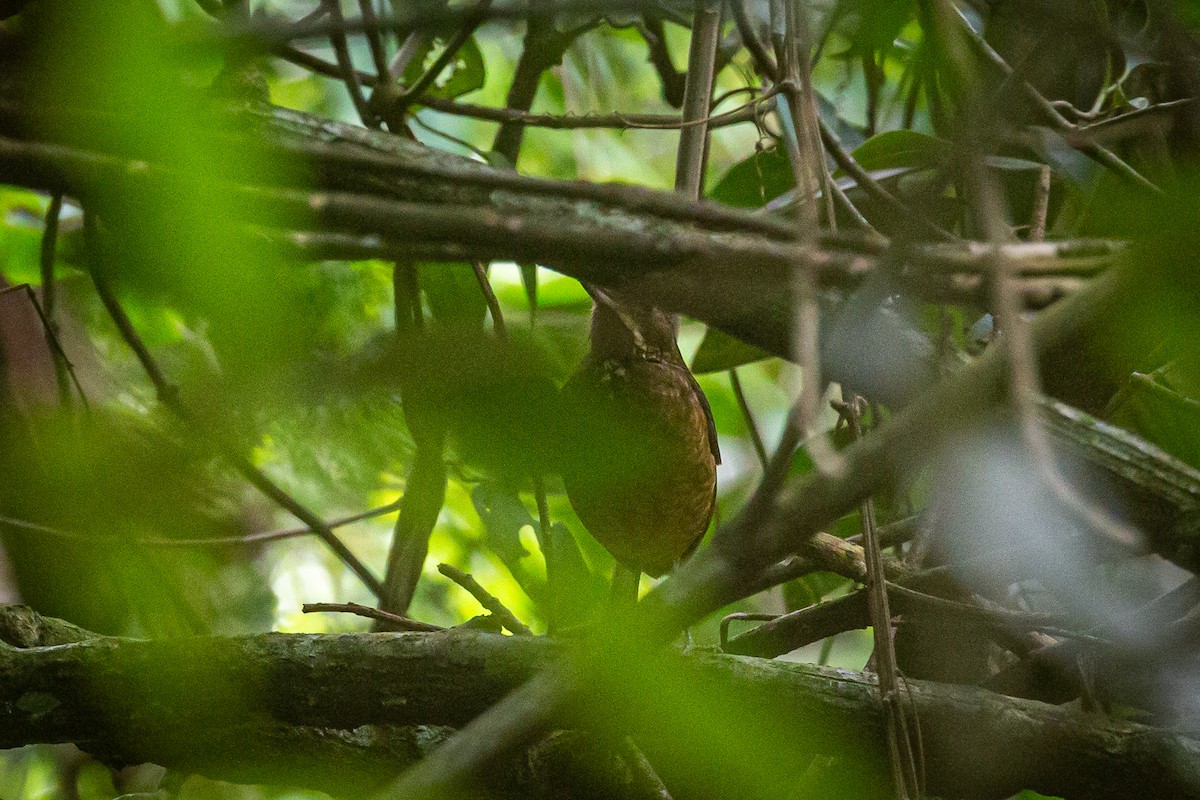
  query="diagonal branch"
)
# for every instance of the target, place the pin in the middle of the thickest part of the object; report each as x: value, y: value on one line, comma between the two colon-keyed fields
x: 168, y: 395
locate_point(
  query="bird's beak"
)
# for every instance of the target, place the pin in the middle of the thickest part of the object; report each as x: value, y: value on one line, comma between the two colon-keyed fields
x: 603, y: 298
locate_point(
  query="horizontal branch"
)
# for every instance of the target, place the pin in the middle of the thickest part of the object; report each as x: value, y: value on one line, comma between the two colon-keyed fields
x: 190, y: 704
x: 613, y: 120
x: 653, y: 244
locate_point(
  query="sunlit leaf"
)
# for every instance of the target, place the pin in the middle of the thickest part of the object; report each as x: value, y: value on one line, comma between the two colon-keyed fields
x: 465, y: 72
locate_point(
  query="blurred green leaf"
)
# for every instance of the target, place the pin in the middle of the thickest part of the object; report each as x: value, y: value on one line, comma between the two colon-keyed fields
x: 453, y: 292
x: 1161, y: 414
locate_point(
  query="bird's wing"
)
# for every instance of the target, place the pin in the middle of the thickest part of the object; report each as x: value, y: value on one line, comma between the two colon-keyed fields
x: 713, y: 446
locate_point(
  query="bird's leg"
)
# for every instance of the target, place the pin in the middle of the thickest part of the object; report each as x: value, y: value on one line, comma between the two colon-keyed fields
x: 687, y: 632
x: 625, y: 583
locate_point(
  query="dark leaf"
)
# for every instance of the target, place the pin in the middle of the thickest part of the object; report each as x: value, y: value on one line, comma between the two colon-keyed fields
x: 754, y: 182
x: 720, y: 351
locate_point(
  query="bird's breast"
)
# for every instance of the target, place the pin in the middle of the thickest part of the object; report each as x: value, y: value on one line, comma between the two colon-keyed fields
x: 638, y: 465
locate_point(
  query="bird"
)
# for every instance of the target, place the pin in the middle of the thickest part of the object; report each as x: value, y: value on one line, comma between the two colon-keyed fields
x: 640, y: 463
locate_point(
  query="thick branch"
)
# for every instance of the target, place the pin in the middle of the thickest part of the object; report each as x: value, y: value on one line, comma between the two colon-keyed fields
x: 407, y: 201
x: 190, y: 704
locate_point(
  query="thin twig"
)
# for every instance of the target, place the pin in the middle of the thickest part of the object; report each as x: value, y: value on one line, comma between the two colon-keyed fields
x: 63, y: 371
x: 697, y: 99
x: 374, y: 39
x: 261, y: 537
x: 755, y: 437
x: 47, y: 254
x: 486, y: 599
x: 758, y: 50
x: 905, y: 775
x: 413, y: 44
x: 402, y: 622
x: 349, y: 76
x: 556, y: 548
x: 472, y: 21
x: 489, y: 296
x: 842, y: 201
x: 780, y: 462
x: 873, y: 188
x: 798, y: 115
x: 747, y: 112
x: 55, y: 343
x: 741, y: 616
x: 1041, y: 206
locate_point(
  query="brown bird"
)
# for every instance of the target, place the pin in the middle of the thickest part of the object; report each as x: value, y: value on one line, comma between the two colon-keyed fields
x: 640, y: 465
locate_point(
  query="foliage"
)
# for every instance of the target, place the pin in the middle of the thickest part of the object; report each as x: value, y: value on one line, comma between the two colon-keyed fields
x: 331, y: 358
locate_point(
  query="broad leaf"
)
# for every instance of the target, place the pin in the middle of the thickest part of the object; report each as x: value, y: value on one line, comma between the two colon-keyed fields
x: 901, y: 149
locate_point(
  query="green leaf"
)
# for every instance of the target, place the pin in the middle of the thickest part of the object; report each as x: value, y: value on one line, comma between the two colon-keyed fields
x: 901, y: 149
x: 529, y: 279
x: 720, y: 351
x: 464, y: 74
x: 755, y: 181
x: 1162, y: 415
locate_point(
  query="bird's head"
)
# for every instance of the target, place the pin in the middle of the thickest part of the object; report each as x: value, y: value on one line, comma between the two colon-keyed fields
x: 622, y: 328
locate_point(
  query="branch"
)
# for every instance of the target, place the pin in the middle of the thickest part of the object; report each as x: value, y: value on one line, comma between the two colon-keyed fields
x: 639, y: 244
x: 486, y: 599
x: 295, y: 707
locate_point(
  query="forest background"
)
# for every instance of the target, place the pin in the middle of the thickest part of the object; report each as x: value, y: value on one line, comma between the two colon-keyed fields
x: 290, y: 289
